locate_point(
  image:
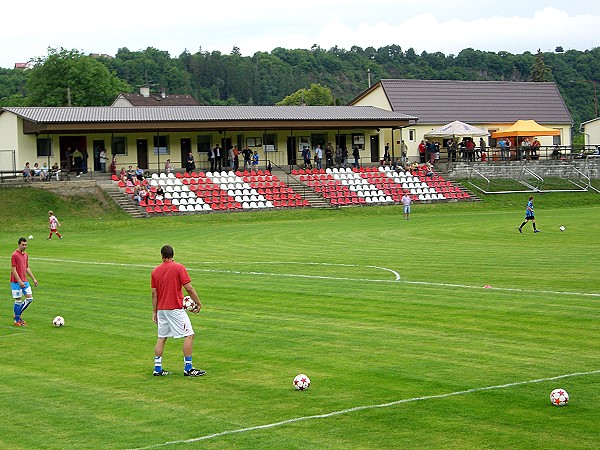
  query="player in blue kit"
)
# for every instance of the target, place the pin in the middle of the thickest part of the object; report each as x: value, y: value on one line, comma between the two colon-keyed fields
x: 529, y: 216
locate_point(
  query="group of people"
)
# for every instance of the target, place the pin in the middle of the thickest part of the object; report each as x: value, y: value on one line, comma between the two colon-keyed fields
x: 40, y: 173
x: 333, y: 158
x: 130, y: 175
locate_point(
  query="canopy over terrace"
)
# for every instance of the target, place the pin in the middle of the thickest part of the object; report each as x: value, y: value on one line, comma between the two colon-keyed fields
x: 523, y: 128
x: 457, y: 129
x: 52, y: 120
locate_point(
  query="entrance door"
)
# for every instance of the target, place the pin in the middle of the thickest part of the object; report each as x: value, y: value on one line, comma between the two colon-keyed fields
x: 374, y: 142
x: 292, y: 150
x: 142, y: 153
x: 98, y: 147
x: 186, y: 148
x: 68, y: 144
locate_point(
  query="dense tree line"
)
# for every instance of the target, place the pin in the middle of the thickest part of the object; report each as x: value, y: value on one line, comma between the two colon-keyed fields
x: 267, y: 78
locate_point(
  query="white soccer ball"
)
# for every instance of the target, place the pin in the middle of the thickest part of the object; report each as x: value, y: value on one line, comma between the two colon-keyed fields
x: 301, y: 382
x: 58, y: 321
x: 31, y: 236
x: 188, y: 303
x: 559, y: 397
x: 561, y: 228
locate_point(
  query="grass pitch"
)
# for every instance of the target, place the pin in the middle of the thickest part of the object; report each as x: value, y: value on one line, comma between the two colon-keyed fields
x: 389, y: 318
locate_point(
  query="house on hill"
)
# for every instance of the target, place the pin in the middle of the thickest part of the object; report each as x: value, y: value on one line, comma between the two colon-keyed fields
x: 145, y: 98
x: 490, y: 105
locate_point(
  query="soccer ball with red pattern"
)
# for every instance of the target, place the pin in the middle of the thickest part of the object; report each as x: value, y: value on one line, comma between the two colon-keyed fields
x: 301, y: 382
x: 58, y: 321
x: 188, y: 303
x: 559, y: 397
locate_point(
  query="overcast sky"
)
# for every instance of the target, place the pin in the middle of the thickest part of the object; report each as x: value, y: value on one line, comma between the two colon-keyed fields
x: 30, y: 27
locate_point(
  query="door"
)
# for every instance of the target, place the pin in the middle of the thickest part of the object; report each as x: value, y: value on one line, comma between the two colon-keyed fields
x: 374, y: 142
x: 186, y: 148
x: 98, y: 147
x: 68, y: 144
x: 142, y: 153
x: 291, y: 150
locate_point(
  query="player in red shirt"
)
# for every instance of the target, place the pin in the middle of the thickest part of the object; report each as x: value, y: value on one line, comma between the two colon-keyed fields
x: 167, y: 310
x: 18, y: 281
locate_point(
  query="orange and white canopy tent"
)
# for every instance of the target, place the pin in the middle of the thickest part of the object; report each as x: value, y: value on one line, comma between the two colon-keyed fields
x: 523, y: 128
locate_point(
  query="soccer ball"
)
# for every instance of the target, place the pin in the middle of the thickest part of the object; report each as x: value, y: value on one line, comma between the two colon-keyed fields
x: 58, y: 321
x: 31, y: 236
x: 301, y: 382
x: 559, y: 397
x: 188, y: 303
x: 561, y: 228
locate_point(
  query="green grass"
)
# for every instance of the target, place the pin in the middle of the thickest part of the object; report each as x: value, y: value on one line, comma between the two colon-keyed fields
x: 303, y: 291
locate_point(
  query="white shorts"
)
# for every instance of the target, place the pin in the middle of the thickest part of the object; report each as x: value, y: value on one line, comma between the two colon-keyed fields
x: 173, y: 323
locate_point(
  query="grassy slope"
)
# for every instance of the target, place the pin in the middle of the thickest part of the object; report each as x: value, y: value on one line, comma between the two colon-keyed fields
x: 361, y: 342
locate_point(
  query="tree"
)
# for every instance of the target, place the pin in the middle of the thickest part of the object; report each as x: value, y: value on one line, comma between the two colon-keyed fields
x: 67, y: 76
x: 316, y: 95
x: 540, y: 71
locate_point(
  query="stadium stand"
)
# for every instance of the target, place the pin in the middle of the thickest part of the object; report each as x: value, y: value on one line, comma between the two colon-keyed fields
x: 228, y: 191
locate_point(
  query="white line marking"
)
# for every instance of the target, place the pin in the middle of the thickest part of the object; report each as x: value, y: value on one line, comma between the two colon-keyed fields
x: 366, y: 407
x: 295, y: 275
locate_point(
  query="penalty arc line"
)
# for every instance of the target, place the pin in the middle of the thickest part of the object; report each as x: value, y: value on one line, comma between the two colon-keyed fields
x: 367, y: 407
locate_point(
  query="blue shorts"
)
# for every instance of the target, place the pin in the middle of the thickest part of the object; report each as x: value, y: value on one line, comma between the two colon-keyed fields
x: 18, y: 291
x: 406, y: 209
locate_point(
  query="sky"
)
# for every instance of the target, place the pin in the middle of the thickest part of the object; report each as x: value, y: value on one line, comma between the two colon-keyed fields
x: 447, y: 26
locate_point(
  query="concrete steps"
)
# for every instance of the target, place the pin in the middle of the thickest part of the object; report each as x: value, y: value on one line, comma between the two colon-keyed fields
x: 123, y: 200
x: 314, y: 198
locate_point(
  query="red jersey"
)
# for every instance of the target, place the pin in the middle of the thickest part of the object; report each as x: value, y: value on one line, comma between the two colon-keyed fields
x: 21, y: 262
x: 167, y: 279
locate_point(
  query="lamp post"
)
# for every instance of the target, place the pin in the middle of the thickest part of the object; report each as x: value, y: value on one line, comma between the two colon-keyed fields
x: 595, y: 93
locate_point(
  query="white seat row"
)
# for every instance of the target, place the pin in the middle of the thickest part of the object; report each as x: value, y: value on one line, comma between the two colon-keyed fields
x: 257, y: 205
x: 162, y: 175
x: 195, y: 208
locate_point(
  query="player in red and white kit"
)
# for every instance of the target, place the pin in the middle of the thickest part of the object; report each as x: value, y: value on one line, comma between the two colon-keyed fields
x: 54, y: 224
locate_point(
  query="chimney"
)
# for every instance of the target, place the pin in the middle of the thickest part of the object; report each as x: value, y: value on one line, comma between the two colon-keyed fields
x: 145, y: 91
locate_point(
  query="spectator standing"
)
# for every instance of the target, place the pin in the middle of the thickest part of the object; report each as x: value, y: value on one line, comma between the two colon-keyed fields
x: 422, y: 151
x: 482, y: 148
x: 218, y: 156
x: 319, y: 157
x: 502, y: 147
x: 236, y: 158
x: 329, y: 156
x: 529, y: 215
x: 356, y: 156
x: 344, y: 156
x: 338, y: 156
x: 113, y: 165
x: 535, y: 146
x: 167, y: 279
x: 19, y: 271
x: 168, y: 167
x: 102, y: 158
x: 255, y: 159
x: 247, y: 154
x: 387, y: 158
x: 78, y: 159
x: 403, y: 151
x: 53, y: 224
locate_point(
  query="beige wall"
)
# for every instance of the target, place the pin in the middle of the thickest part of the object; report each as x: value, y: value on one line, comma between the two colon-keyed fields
x: 592, y: 132
x: 25, y: 145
